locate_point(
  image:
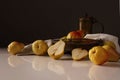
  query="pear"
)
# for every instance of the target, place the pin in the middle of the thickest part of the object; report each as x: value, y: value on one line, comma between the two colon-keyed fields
x: 98, y: 55
x: 110, y: 43
x: 113, y: 54
x: 79, y: 54
x: 39, y: 47
x: 56, y: 51
x: 15, y: 47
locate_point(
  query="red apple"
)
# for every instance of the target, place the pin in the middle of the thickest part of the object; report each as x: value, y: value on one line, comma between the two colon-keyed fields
x: 75, y: 34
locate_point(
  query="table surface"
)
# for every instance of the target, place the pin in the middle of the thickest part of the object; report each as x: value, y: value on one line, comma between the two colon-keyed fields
x: 32, y: 67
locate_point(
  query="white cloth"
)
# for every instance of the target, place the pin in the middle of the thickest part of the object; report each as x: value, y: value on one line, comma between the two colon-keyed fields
x: 105, y: 37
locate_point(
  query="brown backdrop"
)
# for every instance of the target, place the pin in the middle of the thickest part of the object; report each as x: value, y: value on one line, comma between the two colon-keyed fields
x: 28, y: 20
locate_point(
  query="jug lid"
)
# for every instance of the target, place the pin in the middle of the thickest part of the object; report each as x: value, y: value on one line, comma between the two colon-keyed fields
x: 88, y: 18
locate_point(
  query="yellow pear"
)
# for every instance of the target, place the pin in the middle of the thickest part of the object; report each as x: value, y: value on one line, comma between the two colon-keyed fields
x: 98, y: 55
x: 39, y: 47
x: 110, y: 43
x: 113, y: 54
x: 15, y: 47
x: 56, y: 51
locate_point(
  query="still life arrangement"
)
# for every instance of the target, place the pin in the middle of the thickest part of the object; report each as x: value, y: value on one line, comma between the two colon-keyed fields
x: 80, y: 47
x: 80, y: 44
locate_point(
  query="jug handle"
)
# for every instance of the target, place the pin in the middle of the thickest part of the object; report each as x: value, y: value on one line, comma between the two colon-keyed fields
x: 97, y: 22
x: 102, y: 27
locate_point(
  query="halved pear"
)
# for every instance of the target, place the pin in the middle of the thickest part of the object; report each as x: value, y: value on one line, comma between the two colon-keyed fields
x: 78, y: 54
x: 56, y: 51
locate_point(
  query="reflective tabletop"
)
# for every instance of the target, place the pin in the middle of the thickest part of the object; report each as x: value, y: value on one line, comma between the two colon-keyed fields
x: 32, y: 67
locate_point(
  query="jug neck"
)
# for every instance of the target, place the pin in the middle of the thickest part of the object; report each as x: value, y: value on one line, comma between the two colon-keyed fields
x: 86, y: 23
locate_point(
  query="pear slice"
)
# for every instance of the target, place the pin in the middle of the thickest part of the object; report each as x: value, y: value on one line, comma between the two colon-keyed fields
x: 56, y: 50
x: 78, y: 54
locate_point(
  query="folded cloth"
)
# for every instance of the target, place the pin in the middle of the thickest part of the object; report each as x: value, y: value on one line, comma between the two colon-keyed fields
x: 105, y: 37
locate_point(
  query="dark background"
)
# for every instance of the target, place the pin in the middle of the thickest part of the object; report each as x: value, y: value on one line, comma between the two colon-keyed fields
x: 28, y: 20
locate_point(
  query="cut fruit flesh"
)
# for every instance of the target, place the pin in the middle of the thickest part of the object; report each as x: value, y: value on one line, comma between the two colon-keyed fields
x: 78, y: 53
x: 57, y: 50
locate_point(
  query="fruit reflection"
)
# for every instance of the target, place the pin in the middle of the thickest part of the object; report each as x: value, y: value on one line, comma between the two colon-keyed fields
x: 56, y: 67
x: 15, y: 61
x: 81, y: 64
x: 104, y: 73
x: 39, y: 63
